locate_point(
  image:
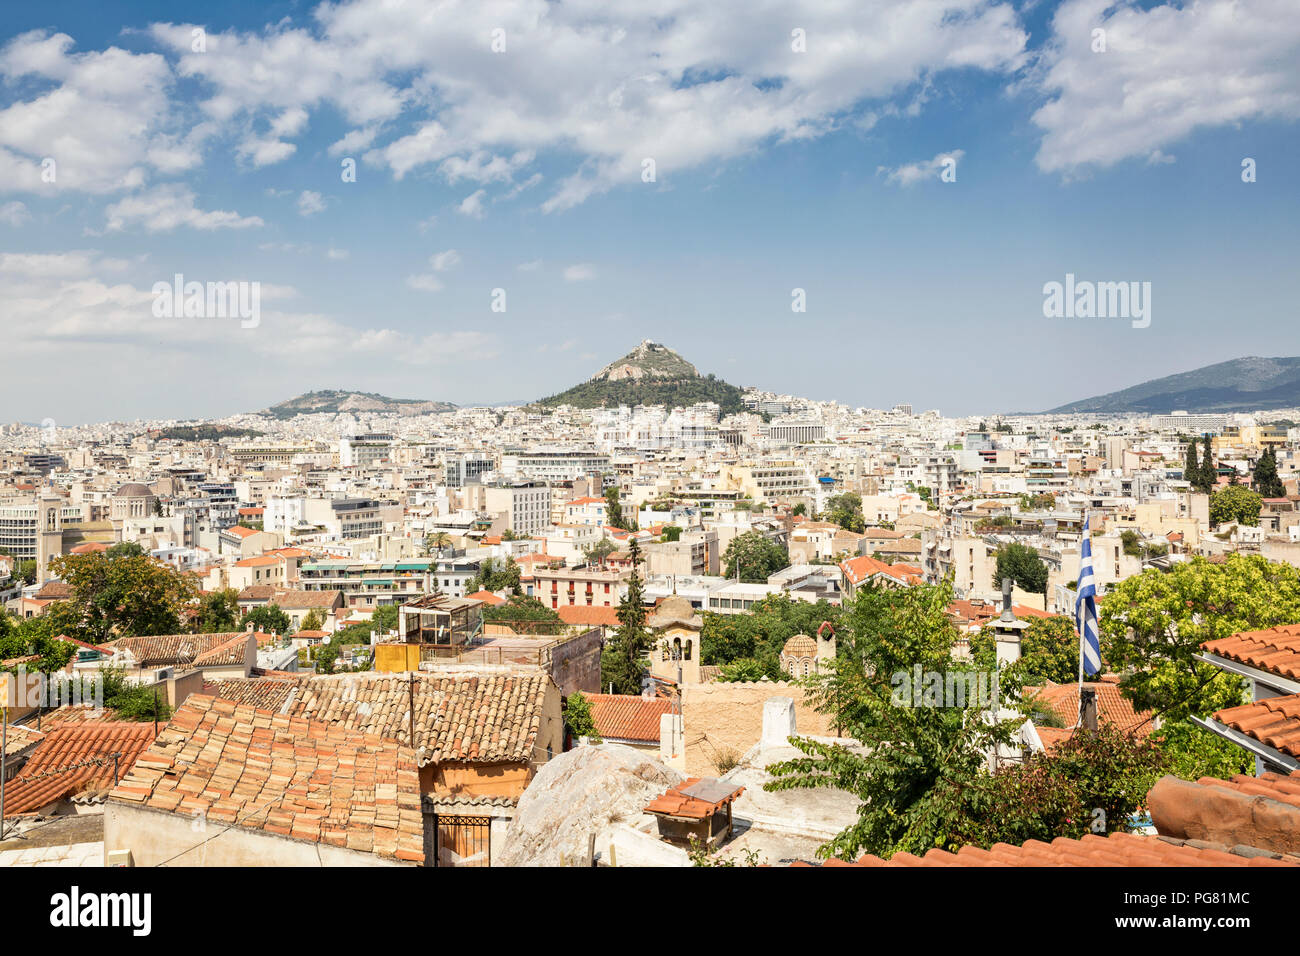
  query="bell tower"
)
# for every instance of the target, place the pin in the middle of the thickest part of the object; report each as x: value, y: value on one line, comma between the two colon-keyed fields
x: 49, y: 532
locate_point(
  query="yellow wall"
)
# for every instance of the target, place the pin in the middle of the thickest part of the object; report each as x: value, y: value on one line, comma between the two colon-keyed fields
x: 397, y: 658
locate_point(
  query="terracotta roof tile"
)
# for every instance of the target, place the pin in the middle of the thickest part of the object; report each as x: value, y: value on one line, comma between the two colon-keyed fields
x: 1276, y: 650
x: 162, y: 650
x: 1274, y: 721
x: 583, y: 616
x: 487, y: 716
x: 625, y: 717
x: 1112, y: 706
x: 676, y: 803
x: 304, y: 779
x: 75, y: 757
x: 1117, y: 849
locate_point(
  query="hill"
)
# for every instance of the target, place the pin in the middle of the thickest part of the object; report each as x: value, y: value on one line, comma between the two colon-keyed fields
x: 333, y: 401
x: 651, y: 374
x: 1240, y: 385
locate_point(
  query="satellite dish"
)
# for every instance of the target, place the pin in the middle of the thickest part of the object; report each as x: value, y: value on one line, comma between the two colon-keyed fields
x: 325, y: 639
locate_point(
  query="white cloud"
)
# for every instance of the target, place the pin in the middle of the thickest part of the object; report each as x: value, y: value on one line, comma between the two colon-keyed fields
x: 581, y: 272
x: 442, y: 261
x: 103, y: 118
x: 424, y: 282
x: 166, y: 207
x: 603, y: 86
x: 472, y: 205
x: 310, y: 203
x: 1167, y: 70
x: 14, y: 214
x: 337, y: 254
x: 65, y: 302
x: 531, y: 266
x: 912, y: 173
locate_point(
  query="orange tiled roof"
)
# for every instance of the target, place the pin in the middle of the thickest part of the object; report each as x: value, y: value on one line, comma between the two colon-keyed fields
x: 1117, y: 849
x: 625, y: 717
x: 675, y: 803
x: 1112, y: 706
x: 264, y: 693
x: 583, y: 616
x: 303, y: 779
x: 487, y: 597
x: 162, y: 650
x: 468, y: 716
x: 231, y: 652
x: 1274, y: 721
x: 1276, y: 650
x: 75, y: 757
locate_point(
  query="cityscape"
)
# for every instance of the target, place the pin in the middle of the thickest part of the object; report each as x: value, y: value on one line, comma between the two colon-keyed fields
x: 517, y: 435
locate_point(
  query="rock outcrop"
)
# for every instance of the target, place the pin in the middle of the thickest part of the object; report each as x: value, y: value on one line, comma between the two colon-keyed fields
x: 577, y: 794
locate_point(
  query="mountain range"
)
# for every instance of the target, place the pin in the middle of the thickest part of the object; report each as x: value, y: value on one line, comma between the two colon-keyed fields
x: 1240, y: 385
x: 334, y: 401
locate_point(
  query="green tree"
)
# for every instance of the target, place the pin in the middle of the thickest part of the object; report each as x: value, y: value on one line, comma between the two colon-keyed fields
x: 1235, y: 504
x: 1209, y: 470
x: 578, y: 720
x: 1191, y: 467
x: 1049, y: 651
x: 26, y: 571
x: 269, y: 618
x: 124, y: 594
x: 614, y: 510
x: 916, y: 764
x: 1267, y: 482
x: 525, y: 614
x: 755, y: 556
x: 312, y: 621
x: 622, y: 663
x: 496, y: 575
x: 1021, y: 564
x: 758, y: 634
x: 672, y: 533
x: 1193, y: 752
x: 598, y: 553
x: 846, y: 511
x: 799, y: 509
x: 218, y: 611
x: 1153, y: 624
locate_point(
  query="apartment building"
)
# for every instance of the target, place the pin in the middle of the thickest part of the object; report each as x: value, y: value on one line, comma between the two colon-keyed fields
x: 580, y: 587
x: 769, y: 480
x: 525, y: 504
x: 554, y: 464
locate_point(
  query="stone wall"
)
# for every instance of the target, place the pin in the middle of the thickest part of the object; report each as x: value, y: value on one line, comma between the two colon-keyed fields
x: 727, y: 719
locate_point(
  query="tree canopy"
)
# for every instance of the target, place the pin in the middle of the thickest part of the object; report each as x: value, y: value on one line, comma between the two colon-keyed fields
x: 756, y: 555
x: 1021, y: 564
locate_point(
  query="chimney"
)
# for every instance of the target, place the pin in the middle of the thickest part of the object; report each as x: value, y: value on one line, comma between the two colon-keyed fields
x: 1006, y: 629
x: 1088, y: 707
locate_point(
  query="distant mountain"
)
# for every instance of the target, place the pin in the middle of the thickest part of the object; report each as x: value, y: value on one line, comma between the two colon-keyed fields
x: 333, y: 401
x: 1241, y: 385
x: 651, y: 374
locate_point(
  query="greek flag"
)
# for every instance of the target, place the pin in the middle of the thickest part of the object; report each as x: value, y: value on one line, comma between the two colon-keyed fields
x: 1085, y: 608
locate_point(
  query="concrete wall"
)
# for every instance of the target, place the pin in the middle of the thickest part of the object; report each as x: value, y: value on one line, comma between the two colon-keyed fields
x: 719, y: 717
x: 575, y: 664
x: 155, y: 836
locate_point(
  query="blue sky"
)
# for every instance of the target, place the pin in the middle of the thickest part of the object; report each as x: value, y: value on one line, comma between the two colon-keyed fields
x: 521, y: 170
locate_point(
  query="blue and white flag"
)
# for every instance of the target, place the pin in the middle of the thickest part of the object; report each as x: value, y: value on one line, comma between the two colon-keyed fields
x: 1085, y: 608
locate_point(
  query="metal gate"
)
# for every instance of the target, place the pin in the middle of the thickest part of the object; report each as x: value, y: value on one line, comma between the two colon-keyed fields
x: 462, y: 841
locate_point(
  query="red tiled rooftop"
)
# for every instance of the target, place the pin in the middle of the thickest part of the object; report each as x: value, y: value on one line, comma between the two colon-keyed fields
x: 303, y: 779
x: 1276, y: 650
x: 1112, y: 706
x: 675, y: 803
x: 625, y: 717
x: 1274, y: 721
x: 1117, y: 849
x: 74, y: 757
x: 583, y: 616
